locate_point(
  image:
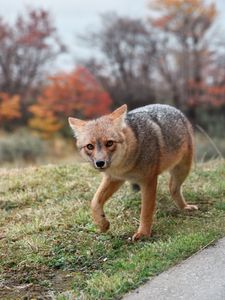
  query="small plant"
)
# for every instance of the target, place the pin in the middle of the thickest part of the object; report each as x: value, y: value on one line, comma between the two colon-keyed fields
x: 208, y: 148
x: 21, y: 146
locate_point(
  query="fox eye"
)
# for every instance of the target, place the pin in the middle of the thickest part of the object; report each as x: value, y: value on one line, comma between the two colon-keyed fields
x: 109, y: 144
x: 90, y: 146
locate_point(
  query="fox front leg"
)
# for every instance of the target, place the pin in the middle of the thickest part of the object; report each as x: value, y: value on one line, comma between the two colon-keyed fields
x: 107, y: 187
x: 148, y: 193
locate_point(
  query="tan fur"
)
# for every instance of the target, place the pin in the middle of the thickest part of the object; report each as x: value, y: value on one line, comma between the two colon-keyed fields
x: 123, y: 160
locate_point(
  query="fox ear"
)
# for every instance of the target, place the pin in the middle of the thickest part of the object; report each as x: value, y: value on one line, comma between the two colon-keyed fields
x: 119, y: 112
x: 76, y: 125
x: 118, y: 115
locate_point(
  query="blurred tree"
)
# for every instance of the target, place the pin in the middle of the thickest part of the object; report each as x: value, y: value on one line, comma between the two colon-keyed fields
x: 26, y: 48
x: 184, y: 51
x: 75, y: 93
x: 125, y: 66
x: 9, y: 108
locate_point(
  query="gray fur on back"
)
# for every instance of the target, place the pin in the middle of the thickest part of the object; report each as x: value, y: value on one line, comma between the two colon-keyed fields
x: 154, y: 122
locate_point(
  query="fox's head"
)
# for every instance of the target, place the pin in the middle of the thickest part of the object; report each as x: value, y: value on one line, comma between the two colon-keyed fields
x: 100, y: 141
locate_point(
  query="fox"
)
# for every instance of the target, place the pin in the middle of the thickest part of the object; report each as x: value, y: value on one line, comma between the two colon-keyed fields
x: 137, y: 146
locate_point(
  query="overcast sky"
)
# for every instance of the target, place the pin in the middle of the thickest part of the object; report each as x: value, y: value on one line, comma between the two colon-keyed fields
x: 73, y: 17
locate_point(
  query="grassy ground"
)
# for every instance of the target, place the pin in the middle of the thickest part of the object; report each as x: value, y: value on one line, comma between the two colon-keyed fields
x: 49, y: 248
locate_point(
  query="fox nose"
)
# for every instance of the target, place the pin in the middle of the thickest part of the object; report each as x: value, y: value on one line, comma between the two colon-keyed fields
x: 100, y: 164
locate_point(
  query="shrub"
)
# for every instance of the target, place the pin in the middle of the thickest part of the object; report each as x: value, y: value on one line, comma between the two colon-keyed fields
x: 21, y: 146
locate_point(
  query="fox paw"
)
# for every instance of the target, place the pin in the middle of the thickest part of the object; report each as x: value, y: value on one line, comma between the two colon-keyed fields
x: 140, y: 235
x: 190, y: 207
x: 104, y: 226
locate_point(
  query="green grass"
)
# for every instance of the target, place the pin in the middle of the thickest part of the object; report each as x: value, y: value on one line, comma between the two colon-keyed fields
x: 49, y: 245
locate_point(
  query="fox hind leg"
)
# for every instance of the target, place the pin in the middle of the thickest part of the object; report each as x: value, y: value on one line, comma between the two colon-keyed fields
x: 178, y: 176
x: 148, y: 191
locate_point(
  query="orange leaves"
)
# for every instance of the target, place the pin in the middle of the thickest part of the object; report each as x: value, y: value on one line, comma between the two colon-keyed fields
x: 163, y: 21
x: 186, y: 57
x: 47, y: 126
x: 206, y: 94
x: 187, y: 7
x: 176, y: 13
x: 26, y: 48
x: 68, y: 94
x: 9, y: 107
x: 34, y: 29
x: 44, y: 119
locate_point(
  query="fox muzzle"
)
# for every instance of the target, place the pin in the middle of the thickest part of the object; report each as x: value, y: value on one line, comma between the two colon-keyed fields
x: 100, y: 164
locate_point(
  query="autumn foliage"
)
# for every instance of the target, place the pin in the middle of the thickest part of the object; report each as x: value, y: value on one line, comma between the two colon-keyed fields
x: 182, y: 16
x: 202, y: 93
x: 75, y: 93
x: 172, y: 56
x: 187, y: 55
x: 27, y: 46
x: 9, y: 108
